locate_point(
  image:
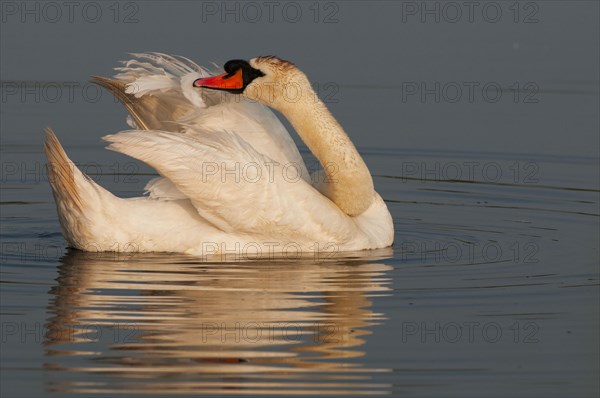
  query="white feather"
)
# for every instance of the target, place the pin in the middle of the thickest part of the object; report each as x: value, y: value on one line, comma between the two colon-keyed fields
x: 224, y: 163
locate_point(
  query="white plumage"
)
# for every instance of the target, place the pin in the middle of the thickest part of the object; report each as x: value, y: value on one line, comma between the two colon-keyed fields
x: 232, y: 179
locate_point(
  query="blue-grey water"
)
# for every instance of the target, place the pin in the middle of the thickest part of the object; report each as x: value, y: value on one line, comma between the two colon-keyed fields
x: 480, y: 124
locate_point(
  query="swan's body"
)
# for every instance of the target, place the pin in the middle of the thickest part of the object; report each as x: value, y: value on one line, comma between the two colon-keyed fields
x: 232, y: 179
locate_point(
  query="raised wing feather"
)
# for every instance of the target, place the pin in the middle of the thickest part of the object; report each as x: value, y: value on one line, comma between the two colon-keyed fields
x: 157, y: 90
x: 233, y: 186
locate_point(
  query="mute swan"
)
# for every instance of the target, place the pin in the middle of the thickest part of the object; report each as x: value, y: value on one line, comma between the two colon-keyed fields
x: 231, y: 178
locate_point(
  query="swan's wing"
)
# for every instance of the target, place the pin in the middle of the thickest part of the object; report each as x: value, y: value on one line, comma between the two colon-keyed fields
x: 158, y: 91
x: 162, y: 188
x: 255, y: 123
x: 235, y: 187
x: 148, y: 112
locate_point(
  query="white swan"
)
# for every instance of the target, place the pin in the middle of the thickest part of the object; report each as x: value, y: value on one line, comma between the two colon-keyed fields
x: 232, y: 179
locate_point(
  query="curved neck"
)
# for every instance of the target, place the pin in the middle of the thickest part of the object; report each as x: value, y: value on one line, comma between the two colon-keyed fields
x: 348, y: 180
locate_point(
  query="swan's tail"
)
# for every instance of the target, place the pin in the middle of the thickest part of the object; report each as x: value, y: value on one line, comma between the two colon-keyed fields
x: 76, y: 195
x: 62, y: 174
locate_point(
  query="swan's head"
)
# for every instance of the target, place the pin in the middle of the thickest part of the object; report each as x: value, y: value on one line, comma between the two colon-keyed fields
x: 268, y: 80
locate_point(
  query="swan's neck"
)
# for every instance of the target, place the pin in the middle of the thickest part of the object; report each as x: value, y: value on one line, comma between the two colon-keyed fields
x: 349, y: 183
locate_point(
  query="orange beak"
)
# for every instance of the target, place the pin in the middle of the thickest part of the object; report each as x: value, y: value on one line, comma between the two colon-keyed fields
x: 226, y: 81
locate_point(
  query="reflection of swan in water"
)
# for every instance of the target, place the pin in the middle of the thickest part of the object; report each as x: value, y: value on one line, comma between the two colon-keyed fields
x: 165, y: 324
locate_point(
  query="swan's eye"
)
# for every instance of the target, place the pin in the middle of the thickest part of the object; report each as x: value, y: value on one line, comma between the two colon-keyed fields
x: 234, y: 64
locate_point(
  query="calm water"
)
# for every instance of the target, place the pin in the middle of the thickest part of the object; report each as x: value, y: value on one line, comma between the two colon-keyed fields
x: 490, y: 289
